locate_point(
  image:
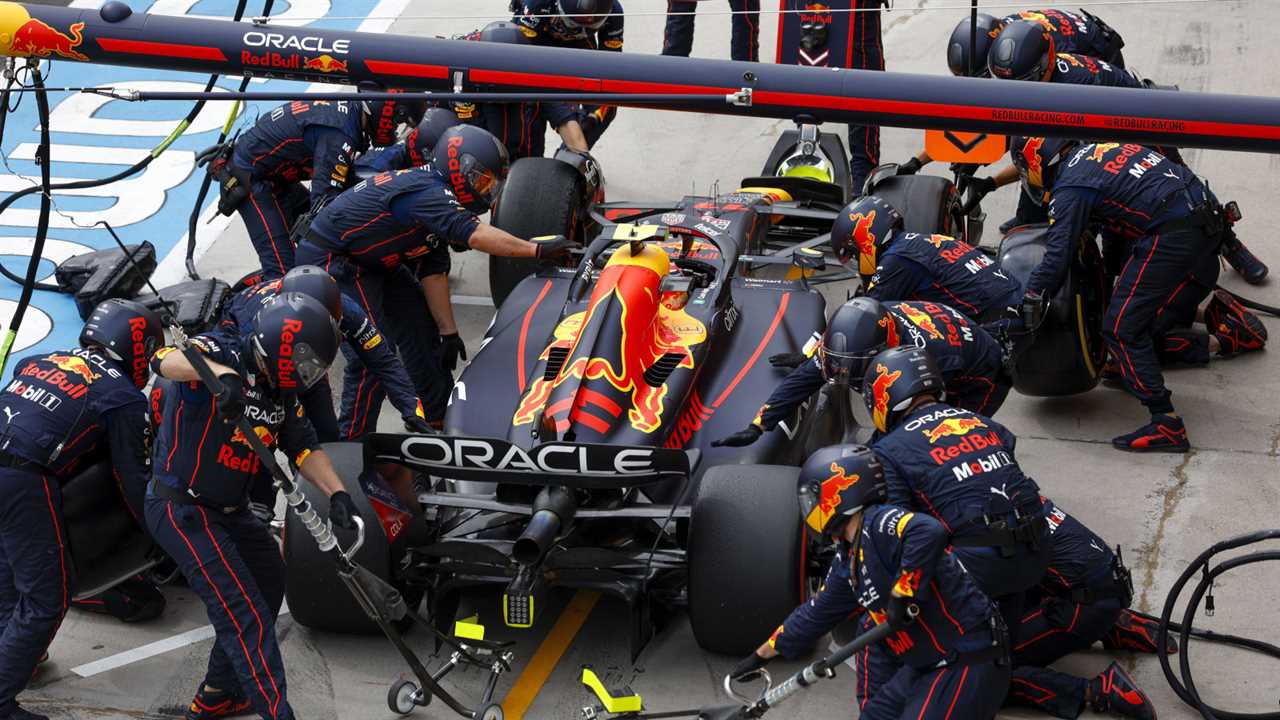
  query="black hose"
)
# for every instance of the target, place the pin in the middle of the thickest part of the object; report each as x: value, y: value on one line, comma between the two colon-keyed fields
x: 1183, y: 683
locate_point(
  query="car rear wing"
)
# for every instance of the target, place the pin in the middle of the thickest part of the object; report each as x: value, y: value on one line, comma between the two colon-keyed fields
x: 575, y: 465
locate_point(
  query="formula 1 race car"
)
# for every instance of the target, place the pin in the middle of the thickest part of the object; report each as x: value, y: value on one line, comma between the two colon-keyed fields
x: 577, y: 449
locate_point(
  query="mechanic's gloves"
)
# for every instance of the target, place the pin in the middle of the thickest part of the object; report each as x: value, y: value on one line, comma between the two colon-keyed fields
x: 1034, y: 308
x: 898, y: 611
x: 415, y: 424
x: 451, y: 348
x: 554, y: 249
x: 342, y: 510
x: 978, y: 188
x: 748, y: 667
x: 742, y: 438
x: 910, y: 167
x: 789, y: 360
x: 231, y: 400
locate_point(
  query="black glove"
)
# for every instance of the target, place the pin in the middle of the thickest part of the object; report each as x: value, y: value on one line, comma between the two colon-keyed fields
x: 451, y: 348
x: 748, y: 667
x: 978, y: 188
x: 741, y: 438
x: 342, y: 510
x: 415, y: 424
x: 788, y: 360
x: 899, y: 612
x: 910, y: 167
x: 554, y: 249
x: 1034, y: 307
x: 231, y: 400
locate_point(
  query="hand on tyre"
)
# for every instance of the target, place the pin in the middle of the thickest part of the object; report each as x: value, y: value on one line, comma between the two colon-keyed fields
x: 788, y: 360
x: 230, y: 401
x: 553, y: 249
x: 748, y: 668
x: 899, y: 611
x: 978, y: 188
x: 742, y: 438
x: 451, y: 348
x: 910, y: 167
x: 342, y: 510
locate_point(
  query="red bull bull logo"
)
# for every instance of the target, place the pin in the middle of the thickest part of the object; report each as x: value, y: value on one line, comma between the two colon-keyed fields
x: 1100, y: 151
x: 891, y: 331
x: 35, y: 38
x: 73, y: 365
x: 921, y: 319
x: 816, y: 14
x: 325, y: 64
x: 829, y: 501
x: 1031, y: 158
x: 264, y: 434
x: 952, y: 426
x: 865, y: 241
x: 880, y: 395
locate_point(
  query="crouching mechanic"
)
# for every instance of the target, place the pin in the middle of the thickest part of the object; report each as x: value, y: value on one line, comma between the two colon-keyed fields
x: 953, y: 654
x: 1080, y: 33
x: 391, y: 233
x: 59, y: 408
x: 898, y: 265
x: 1172, y: 226
x: 970, y: 360
x: 197, y: 504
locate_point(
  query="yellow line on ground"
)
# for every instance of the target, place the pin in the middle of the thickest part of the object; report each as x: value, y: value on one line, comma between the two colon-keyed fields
x: 544, y: 661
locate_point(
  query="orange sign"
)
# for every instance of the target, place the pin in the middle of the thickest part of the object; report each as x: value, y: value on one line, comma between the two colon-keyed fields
x: 963, y: 147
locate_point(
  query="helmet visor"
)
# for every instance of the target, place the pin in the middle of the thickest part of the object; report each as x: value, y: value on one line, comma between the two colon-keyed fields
x: 308, y: 365
x: 585, y: 22
x: 482, y: 181
x: 845, y: 368
x: 295, y: 373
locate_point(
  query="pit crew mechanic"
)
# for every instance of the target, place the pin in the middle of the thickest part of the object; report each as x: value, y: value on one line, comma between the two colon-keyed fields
x: 371, y: 236
x: 1173, y: 226
x: 300, y: 140
x: 579, y: 24
x: 971, y: 361
x: 60, y: 408
x: 197, y: 503
x: 889, y: 559
x: 744, y: 38
x: 896, y: 265
x: 1078, y: 33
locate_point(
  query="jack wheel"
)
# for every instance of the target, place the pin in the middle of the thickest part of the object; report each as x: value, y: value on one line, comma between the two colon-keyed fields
x: 492, y: 711
x: 402, y: 697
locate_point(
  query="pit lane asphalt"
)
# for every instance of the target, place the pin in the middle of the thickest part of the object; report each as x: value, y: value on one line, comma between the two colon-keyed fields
x: 1163, y: 509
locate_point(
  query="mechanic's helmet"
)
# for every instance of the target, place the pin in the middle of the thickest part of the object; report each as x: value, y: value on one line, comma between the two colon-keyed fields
x: 835, y: 483
x: 584, y: 14
x: 894, y: 378
x: 316, y: 284
x: 1022, y: 51
x: 862, y: 229
x: 296, y: 341
x: 128, y: 332
x: 806, y: 165
x: 383, y: 118
x: 423, y: 138
x: 959, y: 52
x: 1037, y: 160
x: 503, y: 31
x: 857, y: 332
x: 474, y: 163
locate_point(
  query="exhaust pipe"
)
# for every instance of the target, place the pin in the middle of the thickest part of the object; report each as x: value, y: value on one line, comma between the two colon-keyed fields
x: 552, y: 510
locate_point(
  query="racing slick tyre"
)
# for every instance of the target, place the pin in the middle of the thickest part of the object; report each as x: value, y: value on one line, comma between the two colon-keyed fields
x: 745, y: 555
x: 927, y: 203
x: 107, y: 544
x: 542, y: 196
x: 317, y: 597
x: 1065, y: 355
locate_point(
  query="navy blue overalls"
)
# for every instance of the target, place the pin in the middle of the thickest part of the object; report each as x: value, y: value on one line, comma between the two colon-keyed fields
x: 744, y: 38
x: 944, y: 270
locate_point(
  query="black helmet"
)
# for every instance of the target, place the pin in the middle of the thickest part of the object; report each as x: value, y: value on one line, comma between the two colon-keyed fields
x: 959, y: 52
x: 295, y: 342
x: 503, y: 31
x: 128, y: 332
x: 862, y: 228
x: 1022, y: 51
x: 316, y: 284
x: 896, y: 377
x: 1037, y: 160
x: 857, y: 332
x: 837, y: 482
x: 584, y: 14
x: 423, y: 138
x: 474, y: 163
x: 383, y: 118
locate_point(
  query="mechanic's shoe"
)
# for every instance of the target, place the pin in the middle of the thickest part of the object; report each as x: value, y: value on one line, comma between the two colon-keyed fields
x: 1237, y: 329
x: 1137, y: 633
x: 208, y: 704
x: 20, y: 713
x: 1253, y: 270
x: 1165, y: 433
x: 1115, y: 692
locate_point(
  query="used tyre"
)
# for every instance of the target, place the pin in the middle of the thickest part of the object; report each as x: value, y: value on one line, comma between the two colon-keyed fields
x: 924, y: 201
x: 317, y: 597
x: 542, y: 196
x: 745, y: 555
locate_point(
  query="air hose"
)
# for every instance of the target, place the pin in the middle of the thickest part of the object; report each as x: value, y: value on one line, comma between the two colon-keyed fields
x: 1183, y: 683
